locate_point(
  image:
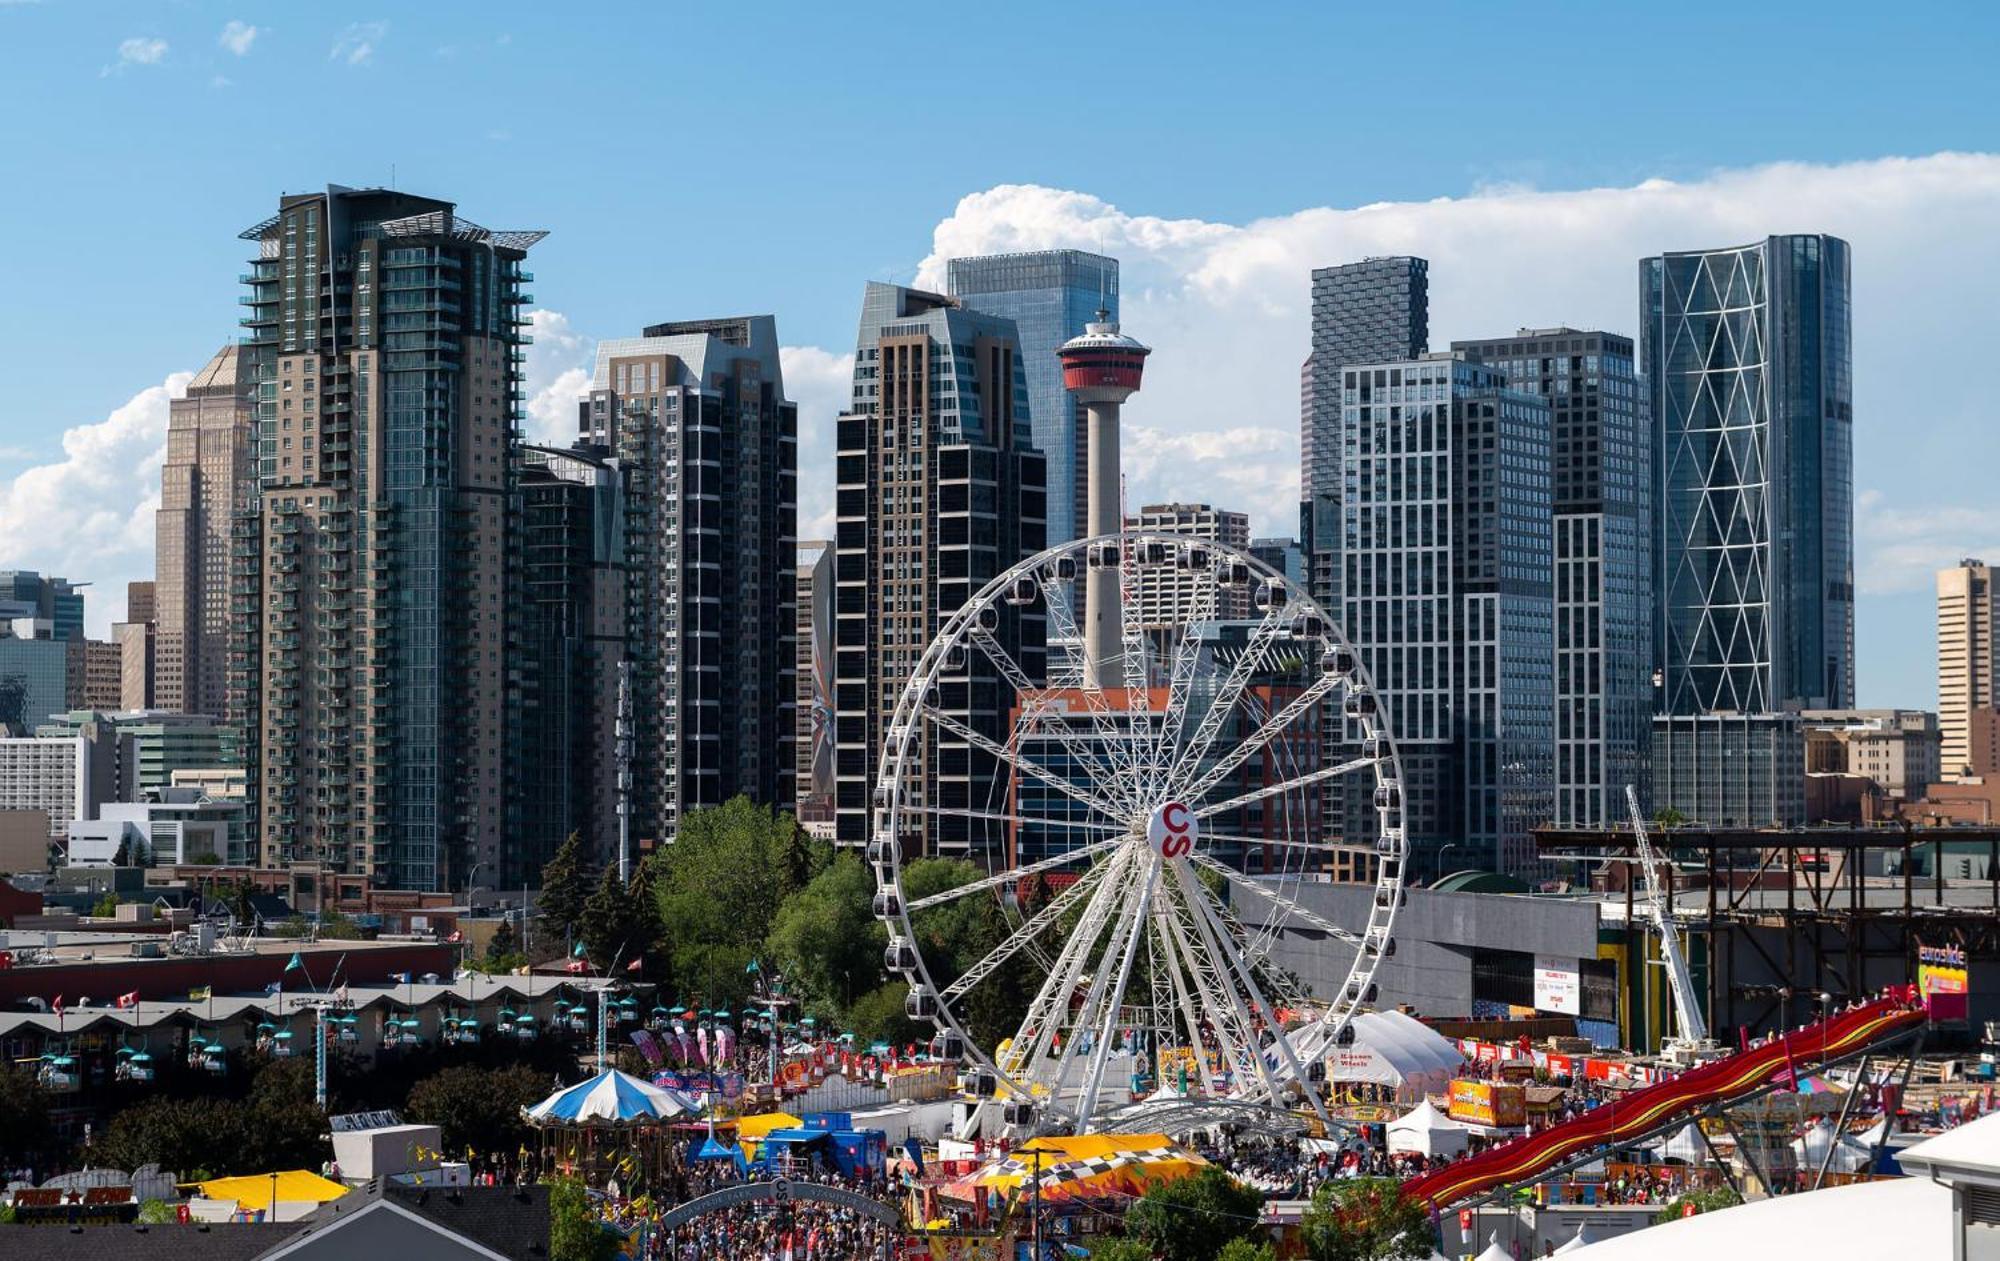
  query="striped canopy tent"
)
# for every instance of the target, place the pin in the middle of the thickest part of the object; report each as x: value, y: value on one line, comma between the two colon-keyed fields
x: 610, y: 1100
x: 1088, y: 1166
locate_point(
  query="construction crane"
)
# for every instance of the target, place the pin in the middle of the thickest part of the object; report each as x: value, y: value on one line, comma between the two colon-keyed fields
x: 1691, y: 1045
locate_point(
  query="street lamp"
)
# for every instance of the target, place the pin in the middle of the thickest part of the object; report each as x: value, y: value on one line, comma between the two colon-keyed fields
x: 1442, y: 851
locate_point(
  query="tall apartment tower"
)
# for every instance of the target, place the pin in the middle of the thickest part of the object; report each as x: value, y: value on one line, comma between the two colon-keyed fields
x: 568, y: 649
x: 1373, y: 311
x: 210, y: 476
x: 812, y: 739
x: 1165, y: 595
x: 696, y: 413
x: 1748, y: 360
x: 1052, y: 296
x: 1968, y: 659
x: 940, y: 489
x: 1601, y: 461
x: 1446, y: 562
x: 375, y: 577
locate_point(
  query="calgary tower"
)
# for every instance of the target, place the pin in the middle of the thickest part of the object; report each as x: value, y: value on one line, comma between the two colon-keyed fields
x: 1102, y: 368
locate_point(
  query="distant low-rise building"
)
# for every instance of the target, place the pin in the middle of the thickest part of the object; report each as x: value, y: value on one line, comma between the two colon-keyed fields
x: 172, y: 827
x: 1895, y: 748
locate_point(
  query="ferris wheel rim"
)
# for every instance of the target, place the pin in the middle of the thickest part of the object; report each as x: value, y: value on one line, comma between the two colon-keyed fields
x: 1296, y: 1043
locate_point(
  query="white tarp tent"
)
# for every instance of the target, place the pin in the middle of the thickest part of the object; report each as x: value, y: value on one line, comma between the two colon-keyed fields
x: 1427, y: 1132
x: 1849, y: 1154
x: 1685, y: 1144
x: 1395, y: 1050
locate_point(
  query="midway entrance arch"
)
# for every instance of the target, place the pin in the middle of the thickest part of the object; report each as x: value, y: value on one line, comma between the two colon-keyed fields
x: 781, y: 1192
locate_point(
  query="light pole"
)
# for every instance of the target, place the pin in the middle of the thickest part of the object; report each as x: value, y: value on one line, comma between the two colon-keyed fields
x: 1449, y: 846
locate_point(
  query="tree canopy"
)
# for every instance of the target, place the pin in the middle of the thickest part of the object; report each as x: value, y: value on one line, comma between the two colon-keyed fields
x: 1193, y: 1218
x: 478, y: 1108
x: 825, y: 939
x: 565, y: 887
x: 1365, y: 1219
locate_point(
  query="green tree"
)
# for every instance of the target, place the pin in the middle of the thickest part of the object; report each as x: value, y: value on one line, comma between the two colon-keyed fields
x: 107, y: 906
x: 176, y: 1134
x: 281, y: 1124
x: 1666, y: 818
x: 878, y: 1015
x: 1700, y: 1201
x: 1191, y: 1218
x: 155, y: 1213
x: 505, y: 941
x: 717, y: 889
x: 25, y: 1132
x: 1246, y: 1250
x: 825, y: 939
x: 479, y: 1108
x: 606, y: 927
x: 954, y: 936
x: 1120, y: 1250
x: 575, y: 1234
x: 1365, y: 1219
x: 565, y: 888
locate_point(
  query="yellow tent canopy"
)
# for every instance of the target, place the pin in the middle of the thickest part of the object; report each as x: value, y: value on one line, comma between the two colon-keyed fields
x: 257, y: 1190
x: 1091, y: 1165
x: 756, y: 1127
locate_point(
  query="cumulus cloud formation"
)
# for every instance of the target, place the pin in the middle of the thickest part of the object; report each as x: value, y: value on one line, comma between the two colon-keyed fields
x: 821, y: 383
x: 237, y: 36
x: 88, y: 516
x: 356, y: 45
x: 557, y: 375
x: 137, y: 51
x: 1227, y: 308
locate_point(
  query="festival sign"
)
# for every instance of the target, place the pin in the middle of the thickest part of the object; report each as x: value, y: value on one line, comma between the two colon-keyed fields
x: 1558, y: 985
x: 1942, y: 980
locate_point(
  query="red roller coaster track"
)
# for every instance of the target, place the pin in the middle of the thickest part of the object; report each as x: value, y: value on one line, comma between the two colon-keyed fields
x: 1646, y: 1110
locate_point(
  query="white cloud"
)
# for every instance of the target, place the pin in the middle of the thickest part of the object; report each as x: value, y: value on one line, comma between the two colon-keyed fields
x: 1227, y: 309
x: 557, y: 375
x: 137, y: 51
x: 237, y: 36
x: 821, y: 383
x: 89, y: 515
x: 356, y: 45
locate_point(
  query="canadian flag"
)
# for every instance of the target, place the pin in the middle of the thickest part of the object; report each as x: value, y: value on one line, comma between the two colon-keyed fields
x: 576, y: 965
x: 456, y: 937
x: 56, y: 1006
x: 635, y: 965
x: 129, y: 1000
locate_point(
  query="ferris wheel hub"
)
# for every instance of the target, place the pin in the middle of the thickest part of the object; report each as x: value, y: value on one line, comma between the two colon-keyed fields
x: 1172, y: 830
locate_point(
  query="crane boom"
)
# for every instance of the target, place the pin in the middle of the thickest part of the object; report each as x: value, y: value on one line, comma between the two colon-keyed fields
x: 1687, y: 1006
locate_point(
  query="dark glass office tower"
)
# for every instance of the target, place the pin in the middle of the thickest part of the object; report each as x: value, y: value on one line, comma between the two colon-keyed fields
x: 940, y: 489
x: 1050, y: 295
x: 1600, y: 463
x: 1748, y: 357
x: 1373, y: 311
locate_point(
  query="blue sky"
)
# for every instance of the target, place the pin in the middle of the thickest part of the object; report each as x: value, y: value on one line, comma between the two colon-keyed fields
x: 716, y: 159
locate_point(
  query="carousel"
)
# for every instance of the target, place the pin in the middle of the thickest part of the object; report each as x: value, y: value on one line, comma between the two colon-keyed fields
x: 594, y: 1128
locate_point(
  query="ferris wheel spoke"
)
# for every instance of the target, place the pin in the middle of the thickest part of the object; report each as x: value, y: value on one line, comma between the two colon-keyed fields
x: 1180, y: 680
x: 1132, y: 636
x: 1101, y: 778
x: 1210, y: 938
x: 1283, y: 903
x: 1234, y: 1038
x: 1039, y: 1025
x: 1271, y: 790
x: 1035, y: 769
x: 1268, y: 731
x: 1108, y: 1024
x: 1014, y: 875
x: 1022, y: 937
x: 1028, y: 820
x: 1181, y: 994
x: 1117, y: 744
x: 1241, y: 671
x: 1116, y: 959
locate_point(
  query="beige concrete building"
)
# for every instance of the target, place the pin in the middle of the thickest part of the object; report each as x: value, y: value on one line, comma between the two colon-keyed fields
x: 812, y: 739
x: 1896, y: 748
x: 103, y: 676
x: 209, y: 476
x: 1165, y: 594
x: 369, y: 664
x: 1968, y: 657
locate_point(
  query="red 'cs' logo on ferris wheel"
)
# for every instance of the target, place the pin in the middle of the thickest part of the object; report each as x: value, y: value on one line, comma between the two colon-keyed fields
x: 1172, y: 830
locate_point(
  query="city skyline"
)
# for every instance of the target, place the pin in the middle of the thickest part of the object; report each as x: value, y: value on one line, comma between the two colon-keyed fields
x: 1216, y: 272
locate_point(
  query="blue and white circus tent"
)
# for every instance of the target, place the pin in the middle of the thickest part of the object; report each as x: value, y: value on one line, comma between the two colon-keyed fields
x: 610, y: 1100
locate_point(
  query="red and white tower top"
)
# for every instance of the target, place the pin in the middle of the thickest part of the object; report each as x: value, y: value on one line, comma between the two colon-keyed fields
x: 1103, y: 365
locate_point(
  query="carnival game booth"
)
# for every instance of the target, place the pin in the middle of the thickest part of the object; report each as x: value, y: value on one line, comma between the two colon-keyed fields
x: 826, y: 1142
x: 599, y: 1125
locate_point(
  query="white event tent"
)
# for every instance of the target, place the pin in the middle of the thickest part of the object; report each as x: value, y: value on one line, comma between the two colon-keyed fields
x: 1427, y: 1132
x: 1398, y: 1051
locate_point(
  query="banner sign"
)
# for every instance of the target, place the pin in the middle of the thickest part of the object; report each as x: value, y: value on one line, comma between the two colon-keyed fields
x: 1942, y: 980
x: 1558, y: 985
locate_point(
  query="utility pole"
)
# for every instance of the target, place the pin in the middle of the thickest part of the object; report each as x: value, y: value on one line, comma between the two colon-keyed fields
x: 1035, y: 1208
x: 624, y: 754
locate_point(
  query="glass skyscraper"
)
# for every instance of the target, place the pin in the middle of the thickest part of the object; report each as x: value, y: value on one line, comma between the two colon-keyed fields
x: 1748, y: 357
x: 1050, y: 295
x: 1599, y: 461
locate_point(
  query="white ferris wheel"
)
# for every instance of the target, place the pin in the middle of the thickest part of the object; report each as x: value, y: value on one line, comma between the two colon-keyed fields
x: 1149, y: 822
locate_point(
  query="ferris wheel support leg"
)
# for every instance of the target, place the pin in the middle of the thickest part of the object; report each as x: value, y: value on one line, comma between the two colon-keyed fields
x: 1102, y: 1058
x: 1131, y: 921
x: 1162, y: 926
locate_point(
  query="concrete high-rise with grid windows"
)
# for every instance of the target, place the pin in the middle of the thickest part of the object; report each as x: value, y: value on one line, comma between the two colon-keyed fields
x: 1445, y: 553
x: 210, y: 476
x: 1600, y: 467
x: 940, y: 490
x: 1968, y: 639
x: 1166, y: 594
x: 696, y: 414
x: 373, y: 579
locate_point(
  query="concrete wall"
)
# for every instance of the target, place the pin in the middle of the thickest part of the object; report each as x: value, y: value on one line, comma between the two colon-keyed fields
x: 24, y: 841
x: 1436, y: 934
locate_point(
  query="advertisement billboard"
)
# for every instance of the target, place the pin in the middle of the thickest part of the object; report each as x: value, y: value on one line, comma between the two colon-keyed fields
x: 1558, y: 985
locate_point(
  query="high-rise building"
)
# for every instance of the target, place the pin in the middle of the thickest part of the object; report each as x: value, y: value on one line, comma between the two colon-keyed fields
x: 143, y: 749
x: 1731, y: 770
x: 1748, y: 362
x: 210, y: 476
x: 34, y: 607
x: 940, y: 490
x: 1166, y: 595
x: 137, y: 647
x: 1373, y: 311
x: 1284, y: 556
x: 1052, y: 296
x: 1600, y: 459
x: 370, y: 655
x: 1968, y: 638
x: 1445, y: 582
x: 696, y: 413
x: 812, y: 740
x: 141, y: 601
x: 571, y: 547
x: 103, y: 677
